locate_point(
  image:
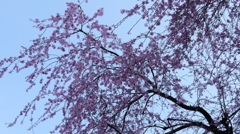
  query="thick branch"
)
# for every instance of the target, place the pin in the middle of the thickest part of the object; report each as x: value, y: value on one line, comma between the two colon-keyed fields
x: 190, y: 108
x: 199, y: 124
x: 189, y: 124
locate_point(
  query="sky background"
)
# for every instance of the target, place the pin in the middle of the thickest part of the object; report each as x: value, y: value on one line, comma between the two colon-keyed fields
x: 17, y: 30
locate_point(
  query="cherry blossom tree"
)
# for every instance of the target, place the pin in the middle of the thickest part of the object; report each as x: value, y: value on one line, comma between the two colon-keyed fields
x: 179, y: 74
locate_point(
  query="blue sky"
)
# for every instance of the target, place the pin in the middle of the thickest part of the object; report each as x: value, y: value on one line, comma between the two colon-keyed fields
x: 16, y: 31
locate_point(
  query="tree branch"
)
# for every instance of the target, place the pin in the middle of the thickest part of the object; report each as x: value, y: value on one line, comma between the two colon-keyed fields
x: 190, y: 108
x: 199, y: 124
x: 80, y: 30
x: 111, y: 126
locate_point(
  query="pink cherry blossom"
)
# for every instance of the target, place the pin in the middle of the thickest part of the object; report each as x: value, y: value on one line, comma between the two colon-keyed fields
x: 183, y: 76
